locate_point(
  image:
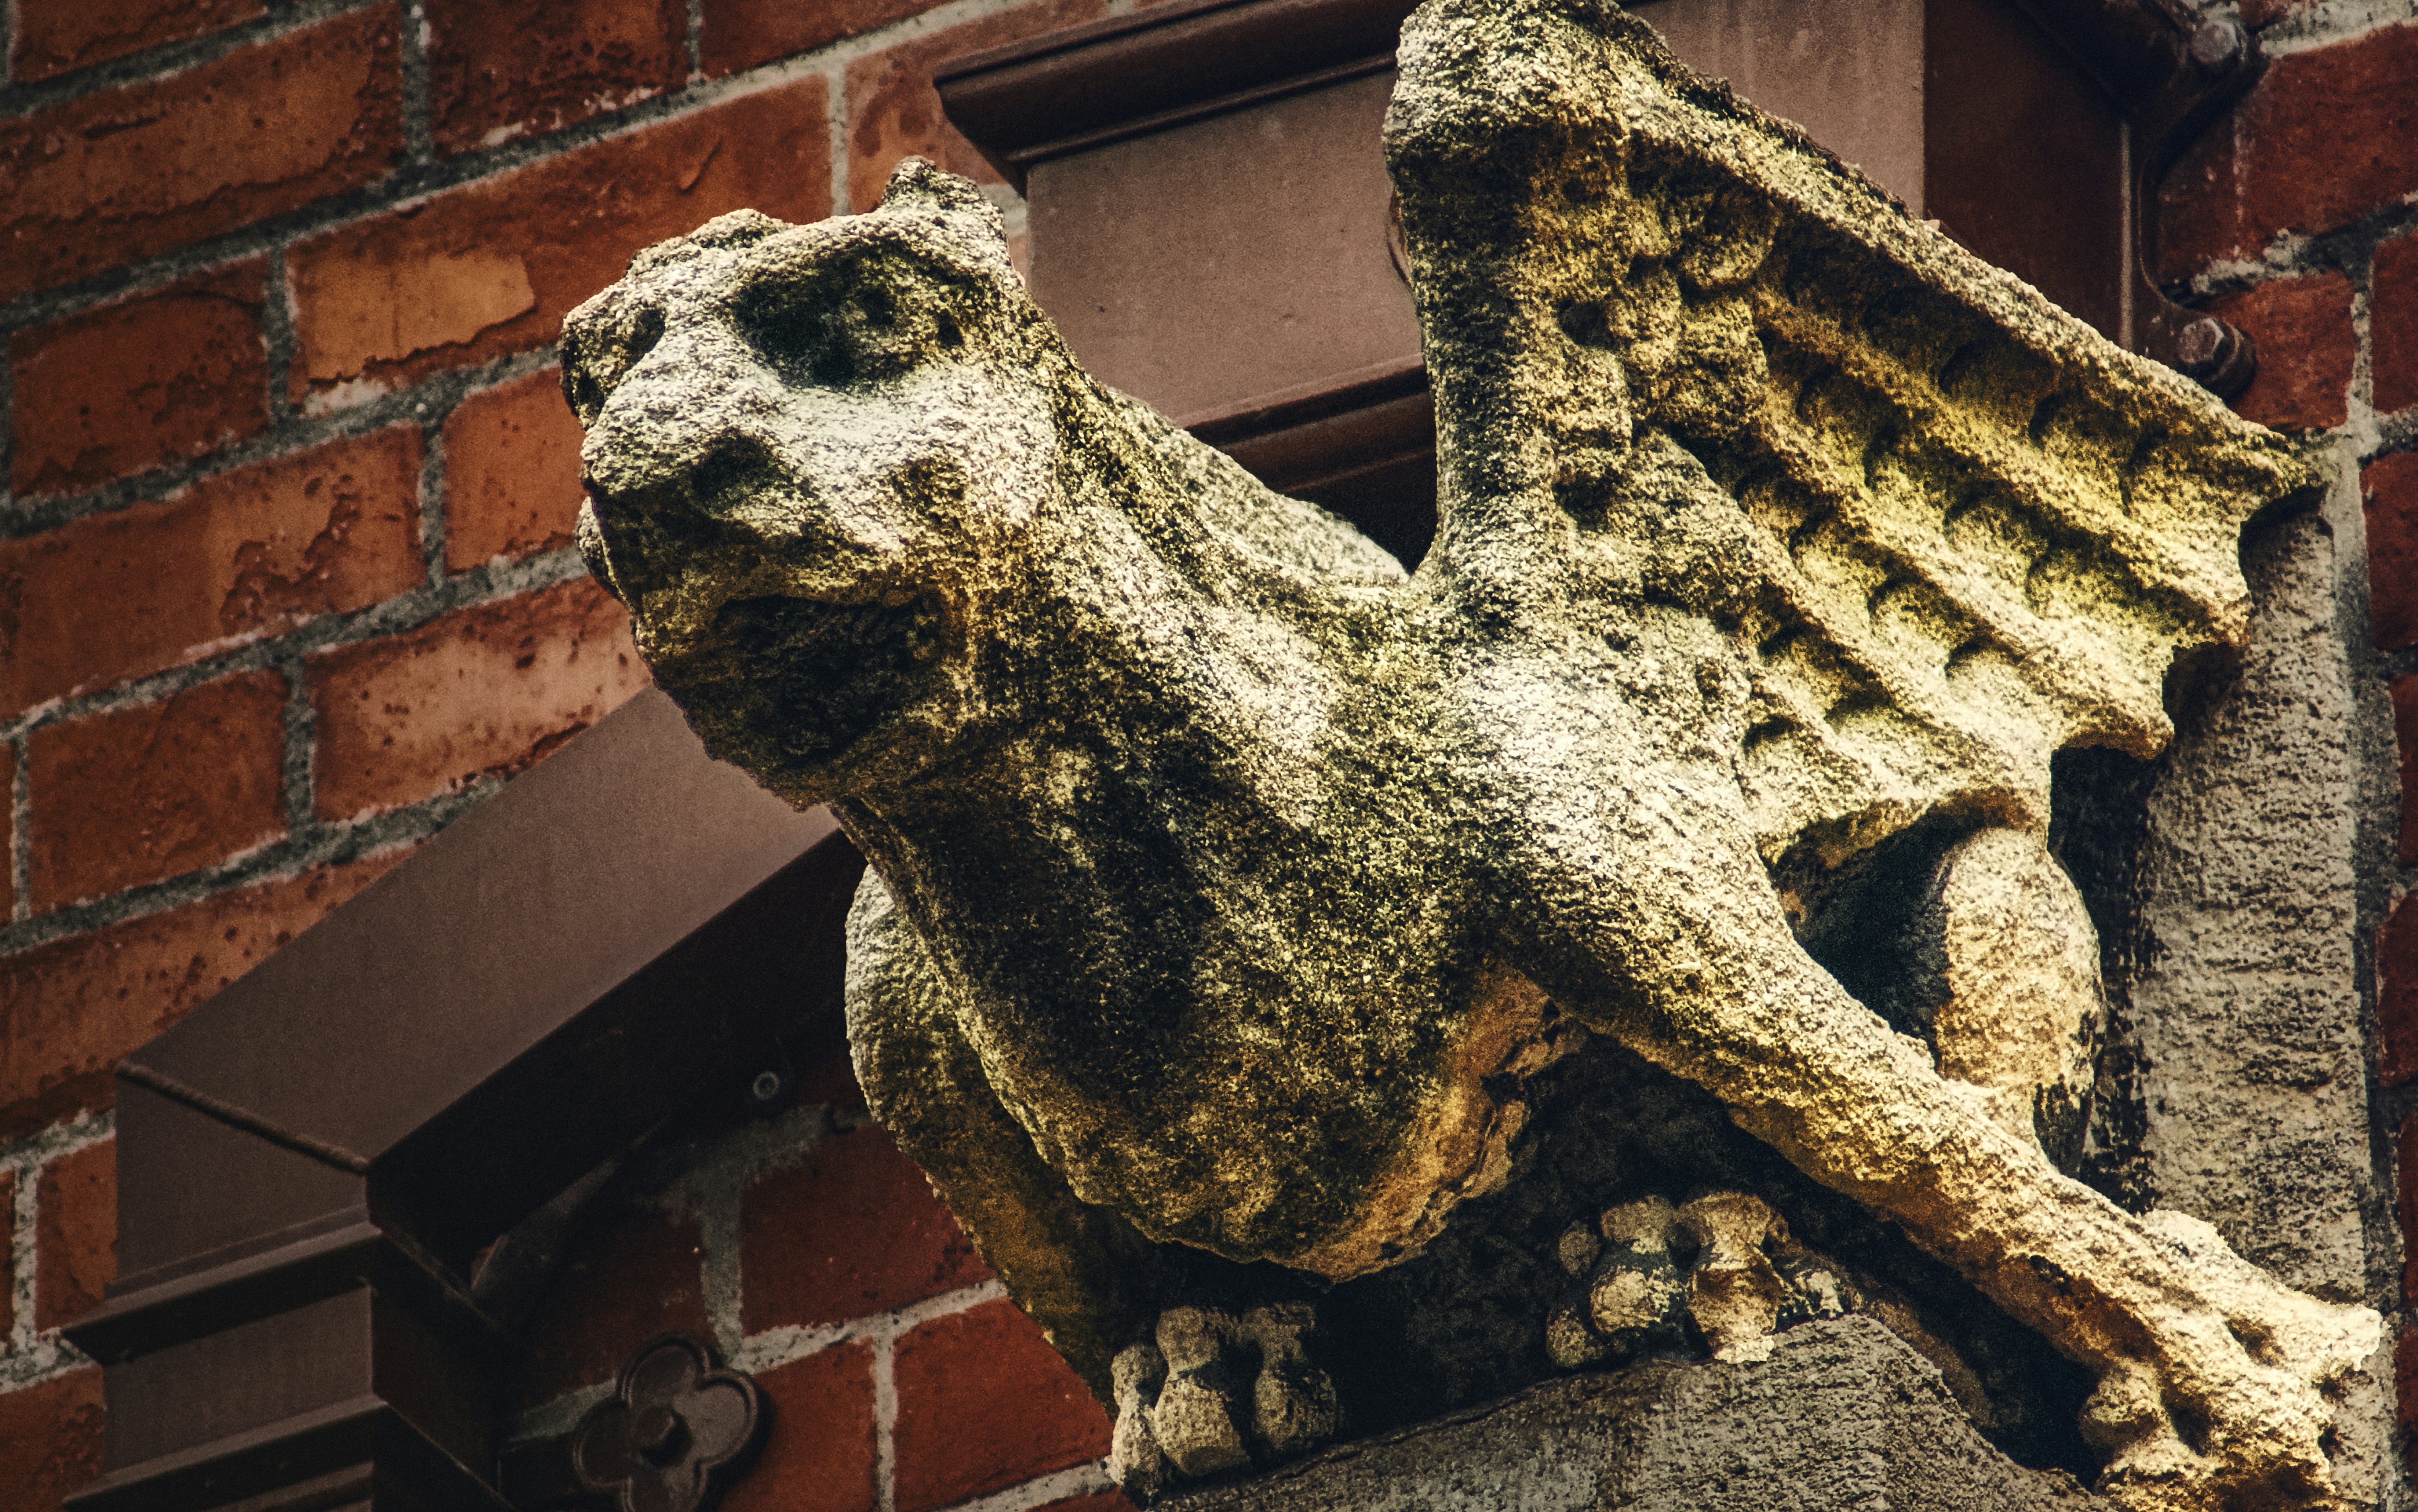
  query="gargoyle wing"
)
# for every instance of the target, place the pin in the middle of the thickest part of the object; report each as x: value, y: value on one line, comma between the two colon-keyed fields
x: 1961, y: 528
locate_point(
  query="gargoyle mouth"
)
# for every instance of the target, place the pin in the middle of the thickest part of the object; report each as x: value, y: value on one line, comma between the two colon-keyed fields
x: 824, y: 675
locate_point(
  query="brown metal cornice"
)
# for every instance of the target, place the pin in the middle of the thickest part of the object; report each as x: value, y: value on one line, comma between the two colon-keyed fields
x: 309, y: 1163
x: 2172, y: 72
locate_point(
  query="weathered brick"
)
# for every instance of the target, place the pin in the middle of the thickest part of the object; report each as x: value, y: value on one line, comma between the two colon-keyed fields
x: 8, y: 831
x: 2261, y: 14
x: 740, y: 34
x: 493, y: 268
x: 2306, y: 346
x: 495, y: 73
x: 140, y: 794
x: 511, y: 472
x: 2405, y: 1376
x: 2396, y: 1005
x: 2328, y: 136
x: 628, y: 1274
x: 70, y: 1010
x: 172, y: 374
x: 482, y: 692
x: 51, y: 1440
x: 2390, y: 486
x: 56, y: 36
x: 127, y: 174
x: 7, y: 1255
x: 985, y: 1403
x: 2405, y: 729
x: 851, y: 1229
x: 893, y: 110
x: 2404, y: 1167
x: 2393, y: 325
x: 245, y: 554
x: 818, y: 1454
x: 75, y: 1233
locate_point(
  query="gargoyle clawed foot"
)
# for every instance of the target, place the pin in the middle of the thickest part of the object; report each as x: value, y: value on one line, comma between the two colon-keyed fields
x: 1216, y: 1393
x: 2234, y: 1405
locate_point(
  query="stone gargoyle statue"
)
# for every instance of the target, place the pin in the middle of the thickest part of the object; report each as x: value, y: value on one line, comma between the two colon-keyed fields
x: 1224, y: 876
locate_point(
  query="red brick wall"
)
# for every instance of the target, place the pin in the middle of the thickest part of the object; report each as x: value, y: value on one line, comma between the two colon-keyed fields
x: 2300, y: 214
x: 902, y: 1379
x: 284, y: 586
x: 285, y: 501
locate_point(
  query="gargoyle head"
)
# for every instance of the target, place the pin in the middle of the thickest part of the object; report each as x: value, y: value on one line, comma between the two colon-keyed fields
x: 812, y: 454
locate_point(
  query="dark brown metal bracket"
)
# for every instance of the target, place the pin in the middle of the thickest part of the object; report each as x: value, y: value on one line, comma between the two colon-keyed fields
x: 674, y: 1432
x: 2172, y: 72
x: 309, y: 1164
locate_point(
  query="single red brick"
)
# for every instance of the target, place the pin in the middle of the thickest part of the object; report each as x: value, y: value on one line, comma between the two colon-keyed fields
x: 172, y: 374
x: 2261, y: 14
x: 51, y: 1440
x: 629, y: 1273
x: 7, y: 1256
x: 985, y: 1403
x: 851, y: 1229
x: 2390, y: 485
x: 54, y: 36
x: 483, y: 692
x: 511, y: 472
x: 892, y: 111
x: 2393, y: 325
x: 740, y: 34
x: 2306, y: 345
x: 75, y: 1233
x: 818, y: 1454
x: 2328, y: 136
x: 139, y: 794
x: 2405, y: 730
x: 2396, y: 991
x: 495, y: 73
x: 493, y: 267
x: 2405, y: 1162
x: 242, y: 554
x: 127, y: 173
x: 9, y: 838
x: 70, y: 1010
x: 2405, y: 1376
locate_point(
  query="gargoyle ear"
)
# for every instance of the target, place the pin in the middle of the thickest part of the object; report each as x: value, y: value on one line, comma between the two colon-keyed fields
x: 915, y: 183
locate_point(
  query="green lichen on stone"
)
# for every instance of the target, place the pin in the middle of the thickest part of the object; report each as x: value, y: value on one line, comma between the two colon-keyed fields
x: 1228, y: 884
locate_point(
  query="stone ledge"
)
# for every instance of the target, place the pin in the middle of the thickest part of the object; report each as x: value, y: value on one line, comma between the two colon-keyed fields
x: 1843, y: 1414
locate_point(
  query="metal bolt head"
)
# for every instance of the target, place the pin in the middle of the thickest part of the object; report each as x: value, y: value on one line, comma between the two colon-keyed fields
x: 766, y: 1088
x: 657, y: 1433
x: 2217, y: 44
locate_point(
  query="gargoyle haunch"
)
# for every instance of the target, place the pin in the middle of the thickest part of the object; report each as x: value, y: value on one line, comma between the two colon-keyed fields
x: 1228, y: 882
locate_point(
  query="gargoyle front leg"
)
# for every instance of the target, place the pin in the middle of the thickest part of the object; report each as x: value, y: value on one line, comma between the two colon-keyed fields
x: 2214, y: 1377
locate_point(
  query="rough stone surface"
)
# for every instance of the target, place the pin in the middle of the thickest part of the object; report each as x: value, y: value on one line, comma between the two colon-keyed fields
x: 1842, y: 1415
x: 1234, y: 889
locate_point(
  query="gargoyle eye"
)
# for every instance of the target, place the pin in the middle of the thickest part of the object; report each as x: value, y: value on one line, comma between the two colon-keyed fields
x: 646, y: 330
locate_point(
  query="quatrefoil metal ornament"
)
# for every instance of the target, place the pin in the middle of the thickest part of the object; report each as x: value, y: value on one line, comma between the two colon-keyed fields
x: 669, y: 1436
